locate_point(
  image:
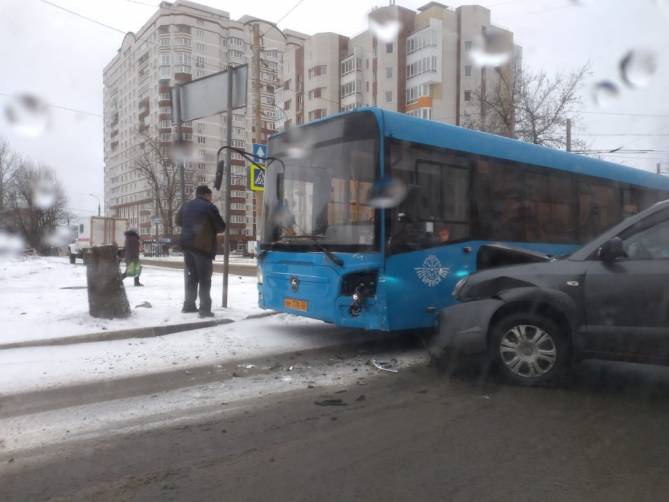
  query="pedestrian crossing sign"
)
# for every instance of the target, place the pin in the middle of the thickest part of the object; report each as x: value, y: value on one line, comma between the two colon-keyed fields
x: 257, y: 177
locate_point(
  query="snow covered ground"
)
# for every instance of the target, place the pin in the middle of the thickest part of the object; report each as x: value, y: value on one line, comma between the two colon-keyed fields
x: 40, y: 368
x: 46, y: 298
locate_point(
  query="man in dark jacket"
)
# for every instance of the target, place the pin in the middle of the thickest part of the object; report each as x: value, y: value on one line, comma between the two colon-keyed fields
x: 200, y: 221
x: 131, y: 256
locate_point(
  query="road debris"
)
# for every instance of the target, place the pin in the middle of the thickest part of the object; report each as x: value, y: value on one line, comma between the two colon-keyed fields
x: 390, y: 366
x: 361, y: 397
x: 144, y: 305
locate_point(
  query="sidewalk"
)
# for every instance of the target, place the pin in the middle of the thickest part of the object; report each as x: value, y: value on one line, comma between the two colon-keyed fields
x: 46, y: 298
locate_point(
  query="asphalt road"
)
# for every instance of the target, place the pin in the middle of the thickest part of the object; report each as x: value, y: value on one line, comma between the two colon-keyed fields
x: 417, y: 435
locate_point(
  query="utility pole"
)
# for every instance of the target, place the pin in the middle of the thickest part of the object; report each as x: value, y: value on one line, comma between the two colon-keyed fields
x: 178, y: 139
x: 228, y: 182
x: 569, y: 135
x: 257, y: 118
x: 659, y: 168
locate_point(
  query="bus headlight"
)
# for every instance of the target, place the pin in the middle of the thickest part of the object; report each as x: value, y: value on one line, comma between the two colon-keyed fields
x: 259, y: 274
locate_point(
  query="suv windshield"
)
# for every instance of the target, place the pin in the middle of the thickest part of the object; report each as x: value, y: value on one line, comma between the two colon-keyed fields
x: 321, y: 190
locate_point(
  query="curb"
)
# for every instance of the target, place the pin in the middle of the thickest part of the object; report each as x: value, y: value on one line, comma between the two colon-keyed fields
x: 148, y: 332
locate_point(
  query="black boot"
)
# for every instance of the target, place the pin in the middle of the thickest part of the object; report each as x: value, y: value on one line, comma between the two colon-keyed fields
x: 137, y: 283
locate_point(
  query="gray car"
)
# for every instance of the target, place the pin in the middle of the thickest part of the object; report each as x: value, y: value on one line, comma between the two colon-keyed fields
x: 608, y: 300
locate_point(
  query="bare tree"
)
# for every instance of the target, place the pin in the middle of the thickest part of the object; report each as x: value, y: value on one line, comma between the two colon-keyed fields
x: 154, y: 163
x: 8, y: 163
x: 532, y: 107
x: 36, y: 203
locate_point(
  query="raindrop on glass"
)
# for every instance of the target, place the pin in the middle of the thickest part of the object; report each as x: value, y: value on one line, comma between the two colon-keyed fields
x: 637, y: 68
x: 493, y: 48
x: 11, y: 244
x: 44, y: 194
x: 61, y: 236
x: 386, y: 31
x: 387, y: 193
x: 182, y: 152
x: 604, y: 93
x: 28, y: 115
x: 300, y: 143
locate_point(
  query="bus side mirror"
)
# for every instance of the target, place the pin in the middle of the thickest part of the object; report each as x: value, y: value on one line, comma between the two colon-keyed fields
x: 220, y: 167
x: 612, y: 250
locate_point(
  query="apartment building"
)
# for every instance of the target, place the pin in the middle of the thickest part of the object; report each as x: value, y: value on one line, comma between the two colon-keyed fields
x: 426, y: 70
x: 183, y: 41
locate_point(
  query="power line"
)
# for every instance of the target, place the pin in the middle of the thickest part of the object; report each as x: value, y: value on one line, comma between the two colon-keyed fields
x: 141, y: 3
x: 60, y: 107
x: 652, y: 115
x: 83, y: 17
x: 284, y: 16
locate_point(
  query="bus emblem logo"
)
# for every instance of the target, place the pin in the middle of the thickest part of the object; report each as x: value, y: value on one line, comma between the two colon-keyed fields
x: 294, y: 283
x: 432, y: 273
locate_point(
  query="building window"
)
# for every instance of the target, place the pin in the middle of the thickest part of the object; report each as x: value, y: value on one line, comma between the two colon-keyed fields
x: 389, y: 72
x: 468, y: 95
x: 182, y: 41
x: 348, y: 66
x: 468, y: 46
x: 389, y: 48
x: 348, y: 89
x: 200, y: 47
x: 164, y: 42
x: 165, y: 59
x: 164, y: 71
x: 389, y: 96
x: 318, y: 71
x: 317, y: 114
x: 286, y: 105
x: 201, y: 139
x: 468, y: 70
x: 199, y: 61
x: 286, y: 85
x: 316, y: 93
x: 199, y: 34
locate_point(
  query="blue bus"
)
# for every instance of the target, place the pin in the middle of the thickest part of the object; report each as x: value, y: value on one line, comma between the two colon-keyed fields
x: 328, y: 252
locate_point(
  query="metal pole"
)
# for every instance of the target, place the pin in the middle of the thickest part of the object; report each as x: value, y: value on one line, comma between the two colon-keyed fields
x: 257, y: 120
x: 569, y: 135
x: 228, y: 182
x: 659, y: 168
x: 178, y: 140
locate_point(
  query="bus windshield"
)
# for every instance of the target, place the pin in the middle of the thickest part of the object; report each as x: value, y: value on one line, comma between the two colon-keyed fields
x: 318, y: 196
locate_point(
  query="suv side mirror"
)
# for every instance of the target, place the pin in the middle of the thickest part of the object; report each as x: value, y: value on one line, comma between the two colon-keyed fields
x: 612, y: 250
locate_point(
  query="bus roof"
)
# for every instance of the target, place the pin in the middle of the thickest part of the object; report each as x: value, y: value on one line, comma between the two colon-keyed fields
x: 408, y: 128
x: 405, y: 127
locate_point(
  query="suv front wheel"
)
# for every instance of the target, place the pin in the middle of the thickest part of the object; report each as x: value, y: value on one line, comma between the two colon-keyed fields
x: 529, y: 349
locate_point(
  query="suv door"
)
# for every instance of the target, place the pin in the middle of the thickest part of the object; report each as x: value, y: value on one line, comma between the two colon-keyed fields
x: 627, y: 301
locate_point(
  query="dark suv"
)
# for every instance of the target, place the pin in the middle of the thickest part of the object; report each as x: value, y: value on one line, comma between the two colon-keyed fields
x: 608, y: 300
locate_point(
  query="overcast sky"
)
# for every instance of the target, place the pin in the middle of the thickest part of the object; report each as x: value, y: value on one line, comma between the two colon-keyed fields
x: 59, y: 57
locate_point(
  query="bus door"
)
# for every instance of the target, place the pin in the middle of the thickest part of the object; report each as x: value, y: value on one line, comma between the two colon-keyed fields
x: 427, y: 248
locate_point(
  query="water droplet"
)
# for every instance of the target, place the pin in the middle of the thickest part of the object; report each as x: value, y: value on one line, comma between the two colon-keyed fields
x: 663, y: 5
x: 637, y: 68
x: 60, y: 237
x: 300, y: 143
x: 604, y: 93
x: 386, y: 31
x: 44, y: 194
x: 492, y: 48
x: 387, y: 193
x: 182, y: 152
x: 11, y: 244
x: 28, y: 115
